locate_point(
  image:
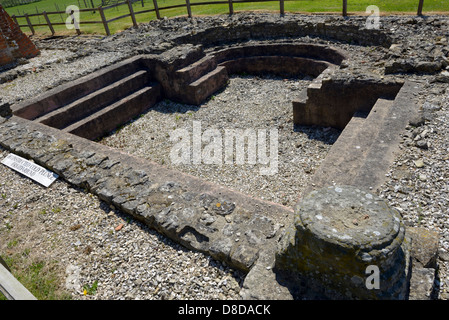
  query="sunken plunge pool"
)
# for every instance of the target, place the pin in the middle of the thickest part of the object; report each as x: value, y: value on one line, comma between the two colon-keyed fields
x: 242, y: 137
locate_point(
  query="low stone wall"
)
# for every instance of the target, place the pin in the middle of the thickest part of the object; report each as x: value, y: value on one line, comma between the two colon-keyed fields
x: 288, y: 27
x: 225, y: 224
x: 332, y: 101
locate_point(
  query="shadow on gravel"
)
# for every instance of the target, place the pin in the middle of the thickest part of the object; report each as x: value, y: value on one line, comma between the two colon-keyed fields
x: 325, y: 135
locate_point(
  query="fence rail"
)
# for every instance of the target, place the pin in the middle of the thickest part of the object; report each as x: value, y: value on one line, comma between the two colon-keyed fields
x: 132, y: 14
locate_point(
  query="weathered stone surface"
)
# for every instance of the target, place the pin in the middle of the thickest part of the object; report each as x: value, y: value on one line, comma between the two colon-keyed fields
x: 262, y: 282
x: 422, y: 286
x: 424, y: 248
x: 288, y: 26
x: 366, y: 147
x: 411, y: 66
x: 338, y: 232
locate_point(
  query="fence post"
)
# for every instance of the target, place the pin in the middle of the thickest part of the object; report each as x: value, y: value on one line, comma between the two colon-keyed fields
x: 189, y: 10
x: 15, y: 19
x: 420, y: 6
x: 38, y: 18
x: 49, y: 23
x: 281, y: 5
x: 29, y: 23
x: 105, y: 22
x: 156, y: 8
x: 131, y: 11
x: 231, y: 7
x: 75, y: 23
x: 345, y: 8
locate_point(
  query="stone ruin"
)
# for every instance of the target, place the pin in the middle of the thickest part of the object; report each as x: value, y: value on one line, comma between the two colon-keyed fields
x: 324, y: 246
x: 14, y: 44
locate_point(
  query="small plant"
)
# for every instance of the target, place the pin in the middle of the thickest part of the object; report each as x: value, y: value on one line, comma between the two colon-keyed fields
x: 12, y: 243
x: 56, y: 210
x: 90, y: 290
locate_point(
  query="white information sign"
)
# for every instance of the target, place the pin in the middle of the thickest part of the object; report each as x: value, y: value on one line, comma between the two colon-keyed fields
x: 30, y: 169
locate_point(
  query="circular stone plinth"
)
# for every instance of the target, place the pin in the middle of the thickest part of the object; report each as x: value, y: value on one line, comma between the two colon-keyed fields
x: 339, y: 234
x: 349, y: 217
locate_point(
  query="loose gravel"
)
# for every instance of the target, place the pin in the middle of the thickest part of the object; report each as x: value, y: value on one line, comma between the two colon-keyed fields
x: 260, y: 104
x: 97, y: 246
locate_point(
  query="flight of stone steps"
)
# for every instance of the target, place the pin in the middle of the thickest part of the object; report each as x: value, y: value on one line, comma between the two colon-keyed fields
x: 96, y: 104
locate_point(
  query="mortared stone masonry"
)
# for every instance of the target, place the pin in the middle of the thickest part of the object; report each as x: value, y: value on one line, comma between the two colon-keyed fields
x: 14, y: 43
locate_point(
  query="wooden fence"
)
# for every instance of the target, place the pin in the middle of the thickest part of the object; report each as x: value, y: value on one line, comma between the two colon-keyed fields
x: 156, y: 9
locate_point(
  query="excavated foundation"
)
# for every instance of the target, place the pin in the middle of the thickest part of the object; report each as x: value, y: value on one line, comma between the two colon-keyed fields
x: 57, y: 130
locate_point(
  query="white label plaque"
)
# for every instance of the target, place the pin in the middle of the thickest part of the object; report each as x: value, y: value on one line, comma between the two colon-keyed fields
x: 30, y: 169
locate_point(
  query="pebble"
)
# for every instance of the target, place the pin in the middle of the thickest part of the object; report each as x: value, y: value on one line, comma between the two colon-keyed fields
x: 419, y: 163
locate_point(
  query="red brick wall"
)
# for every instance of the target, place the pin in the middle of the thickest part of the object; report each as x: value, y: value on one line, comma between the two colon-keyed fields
x: 13, y: 42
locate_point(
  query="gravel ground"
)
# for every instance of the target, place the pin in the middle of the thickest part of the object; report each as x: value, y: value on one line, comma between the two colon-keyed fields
x: 247, y: 102
x: 94, y: 243
x: 417, y: 184
x: 50, y: 69
x: 78, y: 232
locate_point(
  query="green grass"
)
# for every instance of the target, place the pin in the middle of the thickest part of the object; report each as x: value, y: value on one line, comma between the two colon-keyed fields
x: 39, y: 277
x: 305, y: 6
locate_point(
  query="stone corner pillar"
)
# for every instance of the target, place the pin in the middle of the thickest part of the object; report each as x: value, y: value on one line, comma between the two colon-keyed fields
x: 349, y: 242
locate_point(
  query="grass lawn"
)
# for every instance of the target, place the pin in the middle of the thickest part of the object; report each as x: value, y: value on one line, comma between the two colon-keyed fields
x: 354, y: 7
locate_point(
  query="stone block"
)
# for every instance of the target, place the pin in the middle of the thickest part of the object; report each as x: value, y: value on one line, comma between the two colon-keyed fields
x: 424, y: 249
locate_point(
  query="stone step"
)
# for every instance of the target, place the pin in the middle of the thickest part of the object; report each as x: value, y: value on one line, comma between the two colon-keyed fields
x: 280, y: 66
x: 380, y: 153
x: 74, y: 90
x: 81, y: 108
x: 116, y: 114
x: 201, y: 89
x: 300, y: 103
x: 194, y: 71
x: 357, y: 152
x: 317, y: 83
